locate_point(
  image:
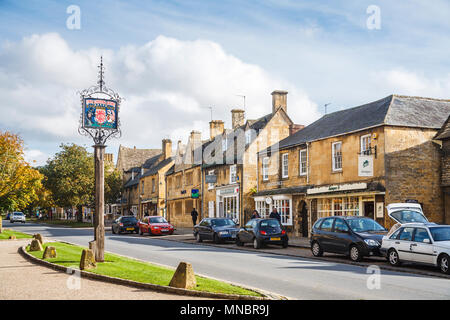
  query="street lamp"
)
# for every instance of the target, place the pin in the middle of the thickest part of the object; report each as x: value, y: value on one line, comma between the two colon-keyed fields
x: 100, y: 120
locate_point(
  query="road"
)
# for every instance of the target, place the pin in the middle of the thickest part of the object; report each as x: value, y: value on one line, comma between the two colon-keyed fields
x: 292, y: 277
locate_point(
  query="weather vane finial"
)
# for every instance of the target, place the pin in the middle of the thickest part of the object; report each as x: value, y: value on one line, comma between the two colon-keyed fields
x: 101, y: 82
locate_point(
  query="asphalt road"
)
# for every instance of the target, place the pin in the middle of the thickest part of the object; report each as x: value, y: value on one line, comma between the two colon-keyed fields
x: 295, y: 278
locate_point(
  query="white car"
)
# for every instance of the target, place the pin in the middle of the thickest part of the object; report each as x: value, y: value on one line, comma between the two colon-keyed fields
x: 416, y: 239
x: 17, y: 217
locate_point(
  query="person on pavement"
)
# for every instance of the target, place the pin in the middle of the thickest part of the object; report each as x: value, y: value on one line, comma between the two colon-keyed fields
x: 194, y: 215
x: 255, y: 215
x: 275, y: 215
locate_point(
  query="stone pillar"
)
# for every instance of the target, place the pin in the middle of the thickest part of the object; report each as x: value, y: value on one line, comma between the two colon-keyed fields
x: 99, y: 222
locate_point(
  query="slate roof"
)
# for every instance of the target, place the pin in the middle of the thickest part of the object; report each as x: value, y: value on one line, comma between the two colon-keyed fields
x: 444, y: 132
x: 153, y: 170
x: 152, y: 167
x: 393, y: 110
x: 128, y: 158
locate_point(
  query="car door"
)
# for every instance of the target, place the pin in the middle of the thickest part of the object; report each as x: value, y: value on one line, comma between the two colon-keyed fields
x: 403, y: 243
x: 202, y: 228
x: 341, y: 238
x: 422, y: 248
x: 247, y: 234
x: 326, y: 235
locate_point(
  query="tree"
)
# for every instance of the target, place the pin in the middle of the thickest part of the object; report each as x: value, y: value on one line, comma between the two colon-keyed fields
x: 69, y: 176
x: 113, y: 184
x: 19, y: 182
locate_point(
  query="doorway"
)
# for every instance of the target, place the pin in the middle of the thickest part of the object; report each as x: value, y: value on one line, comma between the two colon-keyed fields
x: 369, y: 209
x: 303, y: 213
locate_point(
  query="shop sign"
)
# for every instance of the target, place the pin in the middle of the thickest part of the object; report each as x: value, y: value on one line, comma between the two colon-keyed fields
x: 380, y: 208
x: 210, y: 178
x: 195, y: 194
x: 365, y: 166
x: 229, y: 191
x: 338, y: 187
x: 274, y: 184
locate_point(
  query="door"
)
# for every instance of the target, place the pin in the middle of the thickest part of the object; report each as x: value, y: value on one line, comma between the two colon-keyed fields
x: 369, y: 209
x: 422, y: 248
x: 326, y: 235
x: 341, y: 239
x: 404, y: 243
x: 304, y: 224
x: 247, y: 234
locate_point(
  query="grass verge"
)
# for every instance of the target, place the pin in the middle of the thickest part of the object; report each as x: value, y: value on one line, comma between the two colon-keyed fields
x: 19, y: 235
x: 130, y: 269
x: 67, y: 223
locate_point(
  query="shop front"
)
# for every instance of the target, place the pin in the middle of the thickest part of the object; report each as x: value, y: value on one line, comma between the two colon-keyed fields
x: 356, y: 199
x: 227, y: 201
x: 149, y: 207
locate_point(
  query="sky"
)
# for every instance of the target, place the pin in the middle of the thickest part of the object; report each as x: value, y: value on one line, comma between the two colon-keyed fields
x: 172, y: 60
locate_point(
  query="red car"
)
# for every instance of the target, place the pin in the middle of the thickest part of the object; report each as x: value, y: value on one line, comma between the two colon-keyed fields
x: 155, y: 225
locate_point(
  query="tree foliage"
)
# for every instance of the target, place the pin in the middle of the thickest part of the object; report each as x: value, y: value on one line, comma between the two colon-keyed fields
x: 19, y: 182
x: 113, y: 183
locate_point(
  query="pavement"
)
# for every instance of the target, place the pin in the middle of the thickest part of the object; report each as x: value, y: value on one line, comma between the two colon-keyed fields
x: 21, y: 279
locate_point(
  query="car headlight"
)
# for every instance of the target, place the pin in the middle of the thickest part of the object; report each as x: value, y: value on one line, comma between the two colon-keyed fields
x: 222, y: 233
x: 372, y: 243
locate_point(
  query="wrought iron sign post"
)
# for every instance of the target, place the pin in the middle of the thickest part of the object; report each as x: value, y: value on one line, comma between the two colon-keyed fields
x: 99, y: 120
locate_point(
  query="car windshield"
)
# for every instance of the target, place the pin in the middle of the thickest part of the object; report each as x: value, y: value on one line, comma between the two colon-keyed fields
x: 158, y: 220
x: 365, y: 224
x: 440, y: 233
x: 222, y: 222
x: 406, y: 216
x: 129, y: 219
x: 270, y: 224
x: 18, y: 213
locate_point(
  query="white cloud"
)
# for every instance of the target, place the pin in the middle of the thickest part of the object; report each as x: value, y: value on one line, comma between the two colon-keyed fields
x: 167, y: 85
x: 35, y: 157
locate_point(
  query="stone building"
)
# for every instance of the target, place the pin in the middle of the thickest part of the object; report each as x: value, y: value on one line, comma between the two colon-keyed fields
x: 144, y: 190
x: 236, y: 180
x: 443, y: 136
x: 355, y: 162
x: 128, y: 158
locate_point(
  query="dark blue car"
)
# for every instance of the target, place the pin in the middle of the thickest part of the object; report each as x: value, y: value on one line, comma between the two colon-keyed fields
x: 216, y: 229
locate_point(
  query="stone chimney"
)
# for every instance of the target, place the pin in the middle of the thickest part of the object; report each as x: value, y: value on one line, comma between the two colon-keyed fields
x: 195, y: 139
x: 279, y: 100
x: 216, y: 127
x: 237, y: 118
x: 293, y: 128
x: 166, y: 148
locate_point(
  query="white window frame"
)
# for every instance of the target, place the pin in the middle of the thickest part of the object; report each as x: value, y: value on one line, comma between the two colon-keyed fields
x: 233, y: 174
x: 265, y: 168
x: 365, y: 149
x: 210, y: 185
x: 333, y: 156
x: 285, y: 165
x: 303, y: 172
x: 281, y: 202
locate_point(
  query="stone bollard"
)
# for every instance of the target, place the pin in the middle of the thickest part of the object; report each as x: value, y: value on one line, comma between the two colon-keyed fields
x: 38, y: 236
x: 12, y: 237
x: 36, y: 245
x: 184, y: 277
x: 87, y: 260
x: 49, y: 253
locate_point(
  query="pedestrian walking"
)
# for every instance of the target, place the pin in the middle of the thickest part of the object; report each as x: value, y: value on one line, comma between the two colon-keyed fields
x: 194, y: 215
x: 255, y: 215
x: 275, y: 215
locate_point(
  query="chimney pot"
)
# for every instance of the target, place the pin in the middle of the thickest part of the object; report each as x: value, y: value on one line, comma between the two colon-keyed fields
x: 216, y: 127
x: 279, y: 100
x: 237, y: 118
x: 167, y: 148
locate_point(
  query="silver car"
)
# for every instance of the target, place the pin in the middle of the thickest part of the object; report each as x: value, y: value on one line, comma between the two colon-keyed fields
x: 17, y: 217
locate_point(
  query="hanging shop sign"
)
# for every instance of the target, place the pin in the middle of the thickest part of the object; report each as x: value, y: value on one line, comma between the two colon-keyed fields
x: 338, y: 187
x: 210, y: 178
x: 365, y: 166
x: 100, y: 113
x: 195, y: 194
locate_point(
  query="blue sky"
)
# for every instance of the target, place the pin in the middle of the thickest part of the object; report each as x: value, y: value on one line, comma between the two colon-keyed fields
x: 321, y: 50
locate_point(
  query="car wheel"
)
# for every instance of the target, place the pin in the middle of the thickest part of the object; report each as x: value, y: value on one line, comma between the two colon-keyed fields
x: 316, y: 249
x: 256, y: 243
x: 216, y: 238
x: 444, y: 262
x: 285, y: 244
x: 393, y: 258
x: 11, y: 221
x: 140, y: 232
x: 355, y: 253
x: 198, y: 237
x: 239, y: 243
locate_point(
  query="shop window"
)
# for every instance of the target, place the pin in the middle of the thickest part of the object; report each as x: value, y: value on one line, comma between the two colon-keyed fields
x: 340, y: 206
x: 337, y: 156
x: 265, y: 168
x: 189, y: 205
x: 285, y: 165
x: 230, y: 206
x: 284, y: 209
x: 303, y: 162
x: 263, y: 208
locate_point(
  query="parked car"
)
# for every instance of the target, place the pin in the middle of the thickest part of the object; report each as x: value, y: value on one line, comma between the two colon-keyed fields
x: 405, y: 213
x: 17, y: 217
x: 125, y: 224
x: 155, y: 225
x: 262, y: 231
x: 216, y: 229
x: 422, y: 243
x: 355, y: 236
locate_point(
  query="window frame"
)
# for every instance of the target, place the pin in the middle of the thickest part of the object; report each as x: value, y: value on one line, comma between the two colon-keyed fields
x: 333, y: 156
x: 300, y: 162
x: 361, y: 139
x: 233, y: 168
x: 265, y: 168
x: 285, y: 171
